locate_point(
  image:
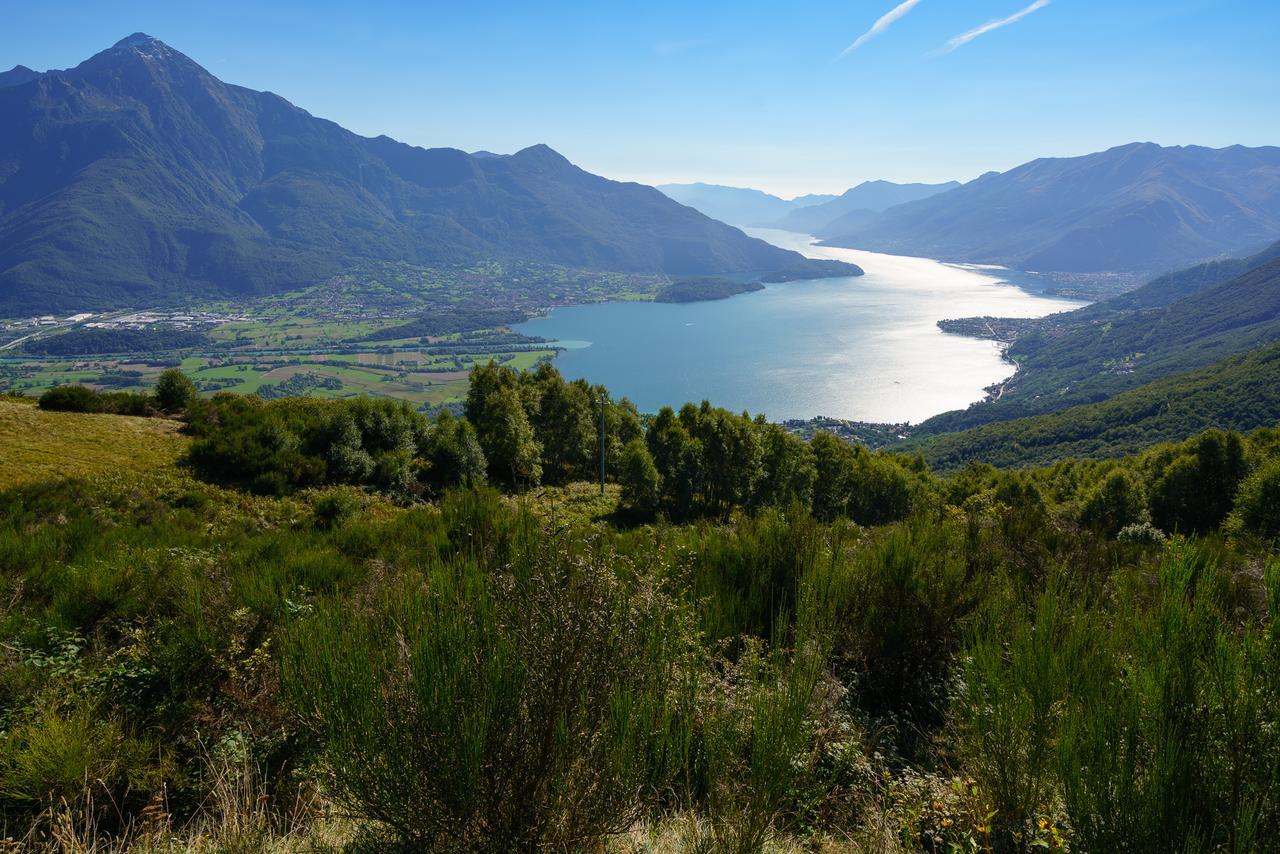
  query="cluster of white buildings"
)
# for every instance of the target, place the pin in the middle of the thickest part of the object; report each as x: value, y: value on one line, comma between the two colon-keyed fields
x: 176, y: 319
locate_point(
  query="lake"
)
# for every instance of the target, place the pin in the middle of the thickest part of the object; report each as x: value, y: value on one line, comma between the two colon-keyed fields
x: 863, y: 349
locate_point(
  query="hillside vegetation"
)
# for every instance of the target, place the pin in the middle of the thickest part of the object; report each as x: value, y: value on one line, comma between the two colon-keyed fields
x: 1241, y: 393
x: 1096, y: 353
x: 329, y: 630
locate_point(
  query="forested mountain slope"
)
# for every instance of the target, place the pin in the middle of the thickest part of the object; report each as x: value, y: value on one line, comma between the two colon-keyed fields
x: 1100, y: 354
x: 1239, y: 393
x: 140, y: 177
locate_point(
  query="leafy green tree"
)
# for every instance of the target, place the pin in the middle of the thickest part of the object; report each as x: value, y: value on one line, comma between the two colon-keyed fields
x: 484, y: 384
x: 497, y: 410
x: 788, y: 469
x: 509, y: 445
x: 453, y: 453
x: 731, y: 457
x: 852, y: 482
x: 564, y: 417
x: 641, y: 484
x: 678, y: 458
x: 834, y: 462
x: 1258, y: 504
x: 1194, y: 492
x: 174, y: 390
x: 883, y: 491
x: 1115, y: 503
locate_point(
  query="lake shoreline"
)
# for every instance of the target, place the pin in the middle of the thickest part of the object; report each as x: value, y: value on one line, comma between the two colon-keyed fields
x: 856, y: 351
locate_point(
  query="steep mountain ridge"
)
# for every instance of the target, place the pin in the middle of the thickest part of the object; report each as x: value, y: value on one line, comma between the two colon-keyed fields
x: 138, y: 176
x: 1138, y: 207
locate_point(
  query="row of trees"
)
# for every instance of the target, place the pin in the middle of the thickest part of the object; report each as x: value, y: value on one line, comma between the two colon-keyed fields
x: 705, y: 461
x: 522, y: 429
x: 537, y: 428
x: 700, y: 462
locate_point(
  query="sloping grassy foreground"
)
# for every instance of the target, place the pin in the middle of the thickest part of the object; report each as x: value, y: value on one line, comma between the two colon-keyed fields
x: 807, y: 648
x: 39, y: 445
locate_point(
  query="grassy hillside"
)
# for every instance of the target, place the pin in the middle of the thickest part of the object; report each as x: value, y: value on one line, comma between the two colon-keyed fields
x: 350, y: 667
x: 36, y: 445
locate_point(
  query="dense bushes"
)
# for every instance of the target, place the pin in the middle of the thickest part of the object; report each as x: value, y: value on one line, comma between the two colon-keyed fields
x: 993, y: 661
x: 468, y: 676
x: 79, y: 398
x: 1258, y: 505
x: 1194, y: 485
x: 516, y: 707
x: 279, y: 446
x: 174, y: 391
x: 1151, y: 714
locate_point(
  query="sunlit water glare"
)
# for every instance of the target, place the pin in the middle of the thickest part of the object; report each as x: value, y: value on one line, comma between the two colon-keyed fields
x: 865, y: 348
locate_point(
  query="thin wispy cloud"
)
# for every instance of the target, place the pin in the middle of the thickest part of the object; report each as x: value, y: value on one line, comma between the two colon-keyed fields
x: 964, y: 38
x: 887, y: 20
x: 677, y: 46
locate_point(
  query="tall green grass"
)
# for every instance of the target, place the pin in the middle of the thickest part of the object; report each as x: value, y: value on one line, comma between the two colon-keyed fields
x: 524, y: 704
x: 1150, y: 718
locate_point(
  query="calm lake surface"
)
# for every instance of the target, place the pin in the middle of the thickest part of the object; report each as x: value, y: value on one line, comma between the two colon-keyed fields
x: 864, y: 348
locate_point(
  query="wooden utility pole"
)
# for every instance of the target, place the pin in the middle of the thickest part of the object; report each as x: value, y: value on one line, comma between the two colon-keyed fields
x: 602, y: 404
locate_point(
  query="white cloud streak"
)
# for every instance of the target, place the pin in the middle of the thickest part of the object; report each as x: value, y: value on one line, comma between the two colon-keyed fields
x: 964, y: 38
x: 881, y: 25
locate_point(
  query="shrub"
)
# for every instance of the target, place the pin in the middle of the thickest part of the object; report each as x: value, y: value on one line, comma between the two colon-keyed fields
x: 71, y: 398
x: 1020, y: 666
x: 336, y: 507
x: 78, y: 757
x: 1142, y: 534
x: 519, y: 708
x: 899, y: 620
x: 1193, y: 493
x: 79, y: 398
x: 288, y: 444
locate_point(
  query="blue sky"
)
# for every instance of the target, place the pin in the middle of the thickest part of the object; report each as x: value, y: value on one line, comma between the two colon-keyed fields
x: 747, y: 93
